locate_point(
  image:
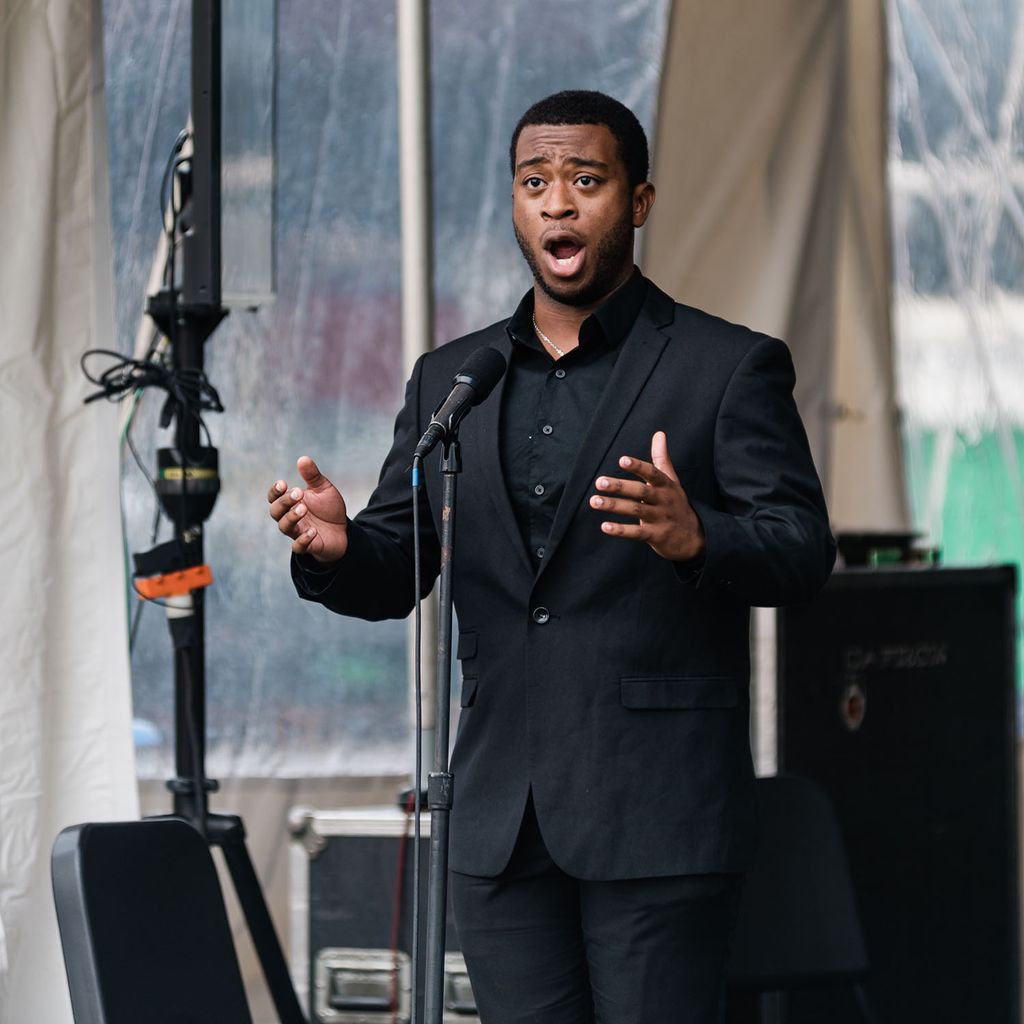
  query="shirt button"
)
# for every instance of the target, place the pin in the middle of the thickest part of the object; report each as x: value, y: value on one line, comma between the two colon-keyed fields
x: 547, y: 429
x: 541, y: 615
x: 538, y: 490
x: 559, y: 373
x: 540, y: 552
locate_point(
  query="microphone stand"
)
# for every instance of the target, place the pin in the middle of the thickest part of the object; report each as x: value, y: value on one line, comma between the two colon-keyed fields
x: 440, y: 780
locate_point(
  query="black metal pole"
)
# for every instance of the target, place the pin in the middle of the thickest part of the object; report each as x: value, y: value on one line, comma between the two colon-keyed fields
x: 202, y: 243
x: 440, y: 780
x: 194, y: 314
x: 187, y: 616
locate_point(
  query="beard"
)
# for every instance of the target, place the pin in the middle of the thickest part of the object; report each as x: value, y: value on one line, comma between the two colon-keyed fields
x: 612, y: 253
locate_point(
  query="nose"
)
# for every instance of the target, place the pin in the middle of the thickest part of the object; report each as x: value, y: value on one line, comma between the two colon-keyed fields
x: 559, y: 201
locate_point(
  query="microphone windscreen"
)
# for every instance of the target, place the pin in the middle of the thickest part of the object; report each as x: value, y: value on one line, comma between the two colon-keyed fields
x: 481, y: 371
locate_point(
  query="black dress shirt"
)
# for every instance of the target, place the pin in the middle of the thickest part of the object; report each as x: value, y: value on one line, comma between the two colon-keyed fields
x: 548, y: 405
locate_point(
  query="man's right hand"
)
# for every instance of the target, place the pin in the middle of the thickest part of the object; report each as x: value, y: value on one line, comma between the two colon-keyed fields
x: 314, y: 517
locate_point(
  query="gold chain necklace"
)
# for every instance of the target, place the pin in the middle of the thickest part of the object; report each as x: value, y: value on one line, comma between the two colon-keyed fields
x: 543, y: 337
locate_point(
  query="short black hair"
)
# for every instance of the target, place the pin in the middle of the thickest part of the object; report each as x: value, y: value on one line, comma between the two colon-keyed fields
x: 583, y: 106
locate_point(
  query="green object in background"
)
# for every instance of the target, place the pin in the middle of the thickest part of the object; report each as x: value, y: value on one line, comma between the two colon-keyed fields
x: 885, y: 556
x: 966, y: 495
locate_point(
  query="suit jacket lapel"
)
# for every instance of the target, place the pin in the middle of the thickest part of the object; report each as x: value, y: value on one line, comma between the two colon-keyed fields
x: 640, y: 353
x: 487, y: 420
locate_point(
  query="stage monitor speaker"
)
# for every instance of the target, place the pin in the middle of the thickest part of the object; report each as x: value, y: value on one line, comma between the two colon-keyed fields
x: 896, y: 691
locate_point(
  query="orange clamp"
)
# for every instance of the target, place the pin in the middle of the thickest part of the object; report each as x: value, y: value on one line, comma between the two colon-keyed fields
x: 172, y: 584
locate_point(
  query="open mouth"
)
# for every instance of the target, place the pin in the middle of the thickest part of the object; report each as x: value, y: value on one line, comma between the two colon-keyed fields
x: 564, y: 256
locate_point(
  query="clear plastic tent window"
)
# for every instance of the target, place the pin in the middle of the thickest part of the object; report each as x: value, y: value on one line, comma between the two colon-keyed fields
x: 957, y: 182
x: 292, y: 690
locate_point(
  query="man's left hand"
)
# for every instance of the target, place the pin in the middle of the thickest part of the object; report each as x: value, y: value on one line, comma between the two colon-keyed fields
x: 666, y: 520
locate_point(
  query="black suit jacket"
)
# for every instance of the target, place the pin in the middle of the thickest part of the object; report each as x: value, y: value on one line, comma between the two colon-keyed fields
x: 609, y: 682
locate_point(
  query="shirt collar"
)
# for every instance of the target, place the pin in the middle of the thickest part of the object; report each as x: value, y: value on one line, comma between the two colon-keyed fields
x: 608, y: 324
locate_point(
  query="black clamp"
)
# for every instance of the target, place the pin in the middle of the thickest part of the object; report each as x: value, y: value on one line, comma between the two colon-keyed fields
x: 440, y: 786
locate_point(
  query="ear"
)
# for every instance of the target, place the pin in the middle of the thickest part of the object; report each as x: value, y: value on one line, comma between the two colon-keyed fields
x: 643, y: 200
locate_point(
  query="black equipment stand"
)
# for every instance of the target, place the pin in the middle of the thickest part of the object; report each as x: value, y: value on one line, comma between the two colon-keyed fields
x: 440, y: 780
x: 188, y: 488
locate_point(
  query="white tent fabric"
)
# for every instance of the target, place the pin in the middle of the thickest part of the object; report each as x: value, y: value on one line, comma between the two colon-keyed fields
x: 65, y: 717
x: 770, y: 163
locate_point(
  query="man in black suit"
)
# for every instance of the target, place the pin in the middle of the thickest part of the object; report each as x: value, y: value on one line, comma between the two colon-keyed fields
x: 604, y: 801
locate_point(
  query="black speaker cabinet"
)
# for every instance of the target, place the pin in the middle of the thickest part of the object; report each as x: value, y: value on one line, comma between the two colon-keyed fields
x: 351, y: 918
x: 896, y: 691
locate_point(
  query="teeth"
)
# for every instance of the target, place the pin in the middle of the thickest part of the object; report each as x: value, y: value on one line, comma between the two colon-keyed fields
x: 566, y: 261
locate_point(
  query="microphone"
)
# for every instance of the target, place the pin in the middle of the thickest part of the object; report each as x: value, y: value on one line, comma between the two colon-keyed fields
x: 472, y: 384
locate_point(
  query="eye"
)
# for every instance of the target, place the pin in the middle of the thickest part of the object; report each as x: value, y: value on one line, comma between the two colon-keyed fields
x: 586, y: 180
x: 533, y: 181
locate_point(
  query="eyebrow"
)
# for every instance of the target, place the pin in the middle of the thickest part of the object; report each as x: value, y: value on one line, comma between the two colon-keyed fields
x: 576, y: 161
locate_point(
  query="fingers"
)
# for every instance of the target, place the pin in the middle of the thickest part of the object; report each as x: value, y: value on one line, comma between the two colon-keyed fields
x: 301, y: 544
x: 632, y: 498
x: 623, y: 488
x: 280, y: 502
x: 631, y: 531
x: 623, y: 506
x: 647, y: 472
x: 311, y: 475
x: 660, y: 457
x: 309, y: 472
x: 287, y: 510
x: 665, y: 520
x: 659, y: 468
x: 292, y: 511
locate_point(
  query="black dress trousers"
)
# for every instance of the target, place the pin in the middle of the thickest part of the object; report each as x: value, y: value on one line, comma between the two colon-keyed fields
x: 542, y: 947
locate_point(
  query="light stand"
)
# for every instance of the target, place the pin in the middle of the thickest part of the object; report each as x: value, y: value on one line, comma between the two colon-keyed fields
x: 188, y: 486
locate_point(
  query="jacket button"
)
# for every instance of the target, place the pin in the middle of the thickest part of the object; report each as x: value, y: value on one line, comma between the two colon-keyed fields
x: 541, y: 615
